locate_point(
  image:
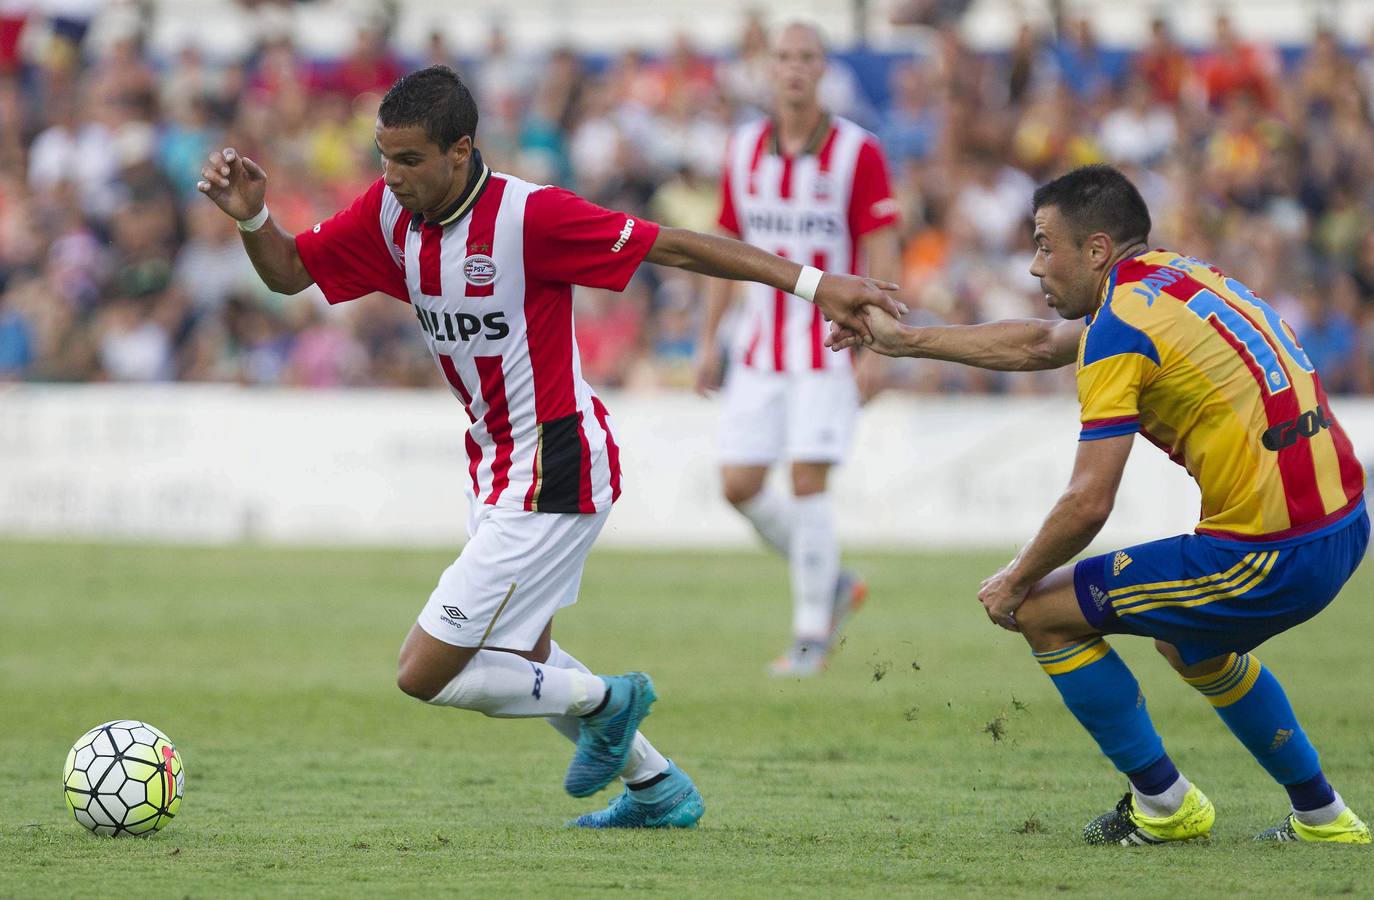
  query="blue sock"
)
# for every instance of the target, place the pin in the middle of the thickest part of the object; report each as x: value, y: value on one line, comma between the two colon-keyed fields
x: 1252, y: 703
x: 1314, y: 793
x: 1105, y: 698
x: 1155, y: 778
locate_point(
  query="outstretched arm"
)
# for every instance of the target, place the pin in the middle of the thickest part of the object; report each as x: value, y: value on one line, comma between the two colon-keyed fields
x: 840, y: 297
x: 1009, y: 345
x: 238, y: 186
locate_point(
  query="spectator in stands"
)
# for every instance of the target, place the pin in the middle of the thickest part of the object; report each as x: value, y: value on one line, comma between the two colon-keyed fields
x: 1234, y: 67
x: 107, y: 271
x: 1163, y: 64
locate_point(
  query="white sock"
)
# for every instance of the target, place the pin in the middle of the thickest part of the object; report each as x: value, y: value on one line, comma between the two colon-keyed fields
x: 814, y: 557
x: 1165, y: 804
x: 643, y: 762
x: 507, y: 686
x: 770, y: 512
x: 1323, y: 815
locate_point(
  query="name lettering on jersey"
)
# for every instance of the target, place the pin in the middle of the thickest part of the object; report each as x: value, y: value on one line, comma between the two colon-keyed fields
x: 1155, y: 283
x: 462, y: 326
x: 479, y: 269
x: 624, y: 236
x: 1286, y: 434
x: 761, y: 223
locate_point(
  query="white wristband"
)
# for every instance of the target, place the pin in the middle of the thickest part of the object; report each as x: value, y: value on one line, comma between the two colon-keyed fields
x: 254, y: 223
x: 807, y: 282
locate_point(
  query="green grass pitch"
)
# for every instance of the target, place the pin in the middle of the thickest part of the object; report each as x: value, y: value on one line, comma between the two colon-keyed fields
x: 933, y: 757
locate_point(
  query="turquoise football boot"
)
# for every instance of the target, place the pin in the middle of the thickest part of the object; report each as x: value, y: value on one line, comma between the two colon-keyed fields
x: 674, y: 802
x: 606, y: 736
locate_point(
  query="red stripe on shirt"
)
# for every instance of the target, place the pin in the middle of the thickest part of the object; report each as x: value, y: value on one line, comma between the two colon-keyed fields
x: 1352, y: 473
x: 534, y: 474
x: 753, y: 344
x: 1107, y: 423
x: 817, y: 320
x: 398, y: 235
x: 549, y: 336
x: 549, y: 324
x: 497, y: 420
x: 612, y: 449
x: 474, y: 451
x: 759, y: 147
x: 431, y: 282
x: 779, y: 321
x: 1297, y: 469
x: 823, y: 157
x: 481, y: 231
x: 785, y: 186
x: 584, y: 477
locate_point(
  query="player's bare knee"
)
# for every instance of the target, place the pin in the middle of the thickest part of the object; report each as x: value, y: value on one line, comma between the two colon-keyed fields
x: 1170, y: 654
x: 415, y: 684
x: 1045, y: 626
x: 809, y: 478
x: 740, y: 489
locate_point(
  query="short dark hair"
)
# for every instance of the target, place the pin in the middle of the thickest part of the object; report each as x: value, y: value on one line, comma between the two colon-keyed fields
x: 1097, y: 198
x: 436, y: 98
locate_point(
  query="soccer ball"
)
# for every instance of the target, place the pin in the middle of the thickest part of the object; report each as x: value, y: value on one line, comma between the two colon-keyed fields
x: 124, y: 777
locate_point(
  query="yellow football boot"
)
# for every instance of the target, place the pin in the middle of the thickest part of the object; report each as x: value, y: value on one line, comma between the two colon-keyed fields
x: 1128, y: 827
x: 1347, y: 829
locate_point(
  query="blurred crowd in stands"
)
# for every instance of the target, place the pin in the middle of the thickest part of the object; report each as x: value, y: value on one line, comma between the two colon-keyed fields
x: 113, y: 267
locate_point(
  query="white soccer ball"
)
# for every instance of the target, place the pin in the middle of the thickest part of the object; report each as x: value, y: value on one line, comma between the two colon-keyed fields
x: 124, y: 777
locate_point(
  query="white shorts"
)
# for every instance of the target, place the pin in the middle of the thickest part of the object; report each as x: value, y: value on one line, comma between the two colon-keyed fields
x: 517, y: 569
x: 799, y: 416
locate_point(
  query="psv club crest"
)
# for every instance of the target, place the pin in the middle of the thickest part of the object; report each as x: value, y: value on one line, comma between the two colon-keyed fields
x: 479, y: 269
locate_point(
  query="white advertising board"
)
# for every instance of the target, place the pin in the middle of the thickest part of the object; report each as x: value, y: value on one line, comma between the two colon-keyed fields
x: 222, y: 463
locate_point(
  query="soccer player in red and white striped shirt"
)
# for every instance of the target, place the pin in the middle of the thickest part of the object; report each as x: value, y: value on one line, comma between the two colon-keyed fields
x: 812, y: 187
x: 487, y: 261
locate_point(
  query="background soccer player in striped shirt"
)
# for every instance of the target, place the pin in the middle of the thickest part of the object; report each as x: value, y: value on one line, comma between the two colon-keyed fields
x: 812, y: 187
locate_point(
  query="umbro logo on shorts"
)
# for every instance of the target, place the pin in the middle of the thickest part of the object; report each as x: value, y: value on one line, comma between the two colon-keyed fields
x: 454, y: 613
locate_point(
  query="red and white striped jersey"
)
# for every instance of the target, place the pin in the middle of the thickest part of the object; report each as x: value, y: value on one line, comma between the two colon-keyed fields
x: 812, y: 209
x: 491, y: 284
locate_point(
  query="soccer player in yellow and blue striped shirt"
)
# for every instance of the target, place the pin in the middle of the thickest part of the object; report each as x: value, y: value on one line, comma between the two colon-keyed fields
x: 1169, y: 347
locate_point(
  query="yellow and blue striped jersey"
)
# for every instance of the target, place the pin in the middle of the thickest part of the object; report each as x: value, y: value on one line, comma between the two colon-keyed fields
x: 1211, y: 374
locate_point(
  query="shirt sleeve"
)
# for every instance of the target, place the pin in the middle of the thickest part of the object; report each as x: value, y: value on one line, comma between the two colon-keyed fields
x: 871, y: 204
x: 573, y: 241
x: 1117, y: 362
x: 728, y: 219
x: 347, y: 254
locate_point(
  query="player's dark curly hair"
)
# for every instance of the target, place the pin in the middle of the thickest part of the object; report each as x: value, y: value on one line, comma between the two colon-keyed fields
x: 1097, y: 198
x: 436, y: 98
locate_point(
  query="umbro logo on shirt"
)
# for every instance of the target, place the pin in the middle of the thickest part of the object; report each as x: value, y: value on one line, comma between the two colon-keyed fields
x: 624, y: 235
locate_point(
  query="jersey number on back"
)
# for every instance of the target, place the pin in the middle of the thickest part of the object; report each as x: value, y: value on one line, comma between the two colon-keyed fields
x: 1260, y: 347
